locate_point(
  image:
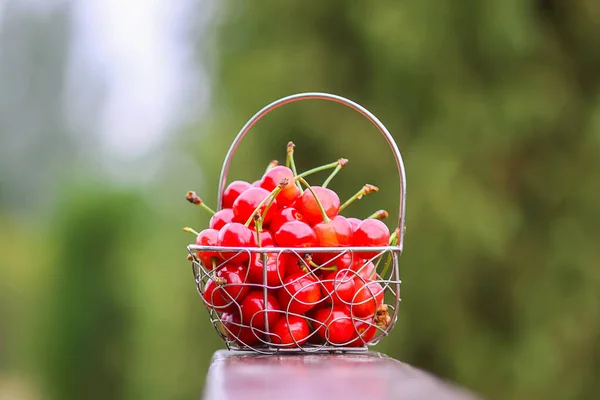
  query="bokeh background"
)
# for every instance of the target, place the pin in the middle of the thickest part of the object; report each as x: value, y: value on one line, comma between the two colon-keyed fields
x: 111, y: 110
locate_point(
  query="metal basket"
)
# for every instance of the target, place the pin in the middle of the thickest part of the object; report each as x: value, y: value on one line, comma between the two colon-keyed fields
x: 255, y: 333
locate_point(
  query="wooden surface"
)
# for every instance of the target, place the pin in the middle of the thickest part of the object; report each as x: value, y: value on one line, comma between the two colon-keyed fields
x: 365, y: 376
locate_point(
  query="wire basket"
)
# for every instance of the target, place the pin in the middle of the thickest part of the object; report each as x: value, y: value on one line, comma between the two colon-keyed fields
x: 310, y: 321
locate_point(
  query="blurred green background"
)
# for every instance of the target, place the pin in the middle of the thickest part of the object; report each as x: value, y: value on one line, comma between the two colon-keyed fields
x: 495, y: 106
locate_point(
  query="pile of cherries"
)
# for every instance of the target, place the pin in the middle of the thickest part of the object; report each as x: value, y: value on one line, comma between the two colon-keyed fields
x: 290, y: 297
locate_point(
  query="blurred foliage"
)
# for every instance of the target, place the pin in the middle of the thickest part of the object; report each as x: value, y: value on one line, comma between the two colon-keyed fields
x: 495, y: 106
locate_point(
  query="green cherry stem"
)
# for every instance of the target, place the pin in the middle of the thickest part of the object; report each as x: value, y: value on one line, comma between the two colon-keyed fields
x: 380, y: 214
x: 193, y: 198
x: 290, y: 163
x: 271, y: 165
x: 326, y: 219
x: 317, y: 169
x: 258, y: 225
x: 363, y: 191
x: 341, y: 163
x: 190, y: 230
x: 270, y: 197
x: 393, y: 242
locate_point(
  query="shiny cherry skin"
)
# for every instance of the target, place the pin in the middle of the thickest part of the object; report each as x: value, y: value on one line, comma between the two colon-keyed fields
x: 284, y: 215
x: 253, y: 310
x: 235, y: 234
x: 308, y: 206
x: 266, y: 238
x: 273, y: 177
x: 371, y: 233
x: 232, y: 192
x: 208, y: 237
x: 228, y: 289
x: 367, y: 299
x: 256, y: 183
x: 290, y: 331
x: 300, y: 293
x: 238, y: 332
x: 295, y: 234
x: 293, y: 263
x: 365, y: 270
x: 247, y: 202
x: 340, y: 260
x: 335, y: 325
x: 335, y: 233
x: 339, y: 286
x: 354, y: 222
x: 220, y: 218
x: 365, y: 332
x: 276, y: 270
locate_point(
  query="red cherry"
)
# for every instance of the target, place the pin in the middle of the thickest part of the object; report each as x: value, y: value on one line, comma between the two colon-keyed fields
x: 368, y: 298
x: 247, y: 202
x: 334, y: 325
x: 275, y: 270
x: 371, y: 232
x: 295, y: 234
x: 253, y: 310
x: 220, y: 218
x: 234, y: 330
x: 256, y: 183
x: 365, y: 332
x: 335, y: 233
x: 273, y: 177
x: 341, y: 261
x: 365, y: 270
x: 235, y: 234
x: 208, y: 237
x: 339, y: 286
x: 299, y: 293
x: 266, y: 239
x: 310, y: 209
x: 284, y: 215
x: 292, y: 263
x: 354, y: 222
x: 290, y: 331
x: 228, y: 289
x: 233, y: 191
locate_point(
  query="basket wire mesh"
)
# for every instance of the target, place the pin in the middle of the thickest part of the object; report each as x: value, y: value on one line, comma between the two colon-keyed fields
x: 374, y: 269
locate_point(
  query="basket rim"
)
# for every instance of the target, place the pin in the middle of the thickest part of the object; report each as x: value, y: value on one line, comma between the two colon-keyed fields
x: 355, y: 249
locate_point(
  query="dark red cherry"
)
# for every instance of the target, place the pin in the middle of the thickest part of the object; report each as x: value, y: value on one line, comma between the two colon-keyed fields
x: 220, y: 218
x: 371, y: 233
x: 235, y: 234
x: 227, y: 289
x: 247, y: 202
x: 339, y: 286
x: 290, y: 331
x: 208, y: 237
x: 335, y: 233
x: 368, y: 298
x: 299, y: 293
x: 238, y: 332
x: 365, y: 269
x: 334, y: 325
x: 276, y: 271
x: 273, y: 177
x: 232, y: 192
x: 366, y: 329
x: 295, y: 234
x: 284, y: 215
x: 253, y: 310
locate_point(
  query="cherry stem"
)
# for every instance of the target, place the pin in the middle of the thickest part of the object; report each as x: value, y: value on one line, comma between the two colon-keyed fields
x: 326, y: 219
x: 393, y: 242
x: 363, y: 191
x: 289, y: 162
x: 190, y: 230
x: 317, y: 169
x: 193, y: 198
x: 380, y: 214
x: 341, y: 163
x: 271, y: 165
x: 271, y: 197
x: 258, y: 225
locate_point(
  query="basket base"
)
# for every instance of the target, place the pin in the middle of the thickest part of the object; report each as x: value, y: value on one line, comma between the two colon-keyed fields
x: 365, y: 375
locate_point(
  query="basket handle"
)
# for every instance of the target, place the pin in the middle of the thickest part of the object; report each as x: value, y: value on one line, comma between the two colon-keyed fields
x: 330, y: 97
